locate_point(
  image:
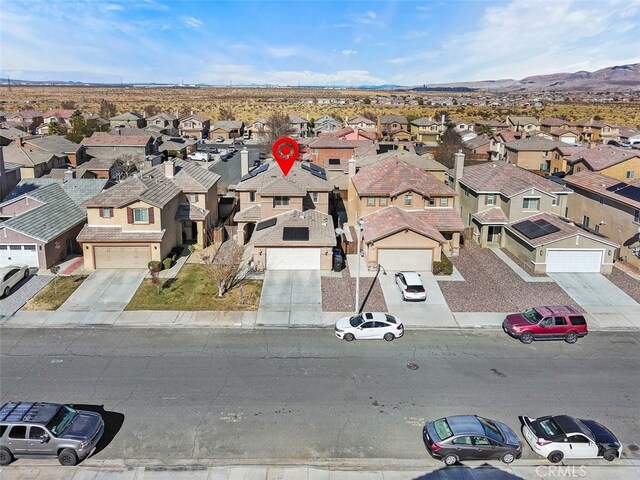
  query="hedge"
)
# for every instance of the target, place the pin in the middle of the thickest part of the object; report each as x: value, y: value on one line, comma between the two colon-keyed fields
x: 443, y: 267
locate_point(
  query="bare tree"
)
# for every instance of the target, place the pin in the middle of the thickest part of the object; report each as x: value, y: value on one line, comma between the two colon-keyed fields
x: 150, y: 110
x: 107, y: 109
x: 451, y: 143
x: 226, y: 114
x: 155, y: 278
x: 125, y: 166
x: 277, y: 126
x: 224, y: 266
x: 369, y: 115
x: 68, y: 104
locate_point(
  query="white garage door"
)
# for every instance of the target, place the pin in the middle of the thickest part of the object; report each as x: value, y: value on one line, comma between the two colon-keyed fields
x: 18, y: 255
x: 574, y: 261
x: 399, y: 260
x: 293, y: 259
x: 122, y: 257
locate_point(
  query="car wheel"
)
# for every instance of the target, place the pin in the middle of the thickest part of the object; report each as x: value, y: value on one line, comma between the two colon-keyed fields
x: 389, y: 337
x: 349, y: 337
x: 68, y: 457
x: 571, y: 337
x: 26, y: 274
x: 508, y: 458
x: 450, y: 459
x: 526, y: 337
x: 555, y: 456
x: 7, y: 290
x: 5, y: 456
x: 610, y: 455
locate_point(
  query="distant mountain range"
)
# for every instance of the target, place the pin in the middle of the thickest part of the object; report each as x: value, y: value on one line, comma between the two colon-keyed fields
x: 618, y: 78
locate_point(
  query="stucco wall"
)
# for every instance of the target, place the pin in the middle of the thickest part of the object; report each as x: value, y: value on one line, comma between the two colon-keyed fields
x: 405, y: 239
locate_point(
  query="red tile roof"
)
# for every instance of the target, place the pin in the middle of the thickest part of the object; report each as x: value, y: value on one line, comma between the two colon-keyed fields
x: 598, y: 183
x: 390, y: 220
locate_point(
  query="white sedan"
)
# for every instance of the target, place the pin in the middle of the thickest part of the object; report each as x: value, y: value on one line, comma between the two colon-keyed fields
x: 11, y: 276
x: 369, y: 325
x: 559, y: 437
x: 411, y: 286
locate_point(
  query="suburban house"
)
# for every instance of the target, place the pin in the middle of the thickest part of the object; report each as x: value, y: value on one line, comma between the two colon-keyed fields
x: 530, y: 153
x: 523, y: 124
x: 614, y: 162
x: 105, y: 168
x: 393, y: 126
x: 427, y: 130
x: 285, y: 220
x: 163, y: 121
x: 565, y: 135
x: 326, y: 124
x: 9, y: 176
x: 27, y: 120
x: 554, y: 123
x: 464, y: 134
x: 408, y: 215
x: 34, y: 162
x: 426, y: 163
x: 627, y: 134
x: 8, y: 134
x: 608, y: 207
x: 495, y: 125
x: 194, y: 125
x: 348, y: 133
x: 128, y: 119
x: 497, y: 143
x: 56, y: 144
x: 41, y: 218
x: 105, y: 145
x: 60, y: 116
x: 361, y: 123
x: 596, y: 130
x: 459, y: 125
x: 144, y: 217
x: 298, y: 126
x: 477, y: 148
x: 332, y: 152
x: 227, y: 129
x: 258, y: 128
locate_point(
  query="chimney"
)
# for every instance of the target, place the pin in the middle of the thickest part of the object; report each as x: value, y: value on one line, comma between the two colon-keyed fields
x: 69, y: 174
x: 3, y: 177
x: 244, y: 162
x: 592, y: 145
x: 352, y: 167
x: 169, y: 168
x: 458, y: 169
x: 20, y: 141
x: 442, y: 119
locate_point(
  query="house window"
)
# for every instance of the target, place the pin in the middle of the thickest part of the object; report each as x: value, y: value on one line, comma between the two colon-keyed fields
x: 371, y: 202
x: 432, y: 201
x: 382, y: 201
x: 578, y: 169
x: 530, y: 203
x: 193, y: 197
x: 444, y: 201
x: 601, y: 200
x: 636, y: 216
x: 490, y: 199
x: 252, y: 196
x: 280, y: 201
x: 554, y: 201
x: 140, y: 215
x: 466, y: 191
x: 630, y: 174
x: 315, y: 197
x: 543, y: 167
x: 545, y: 154
x: 334, y: 161
x: 408, y: 199
x: 106, y: 213
x: 585, y: 221
x: 469, y: 219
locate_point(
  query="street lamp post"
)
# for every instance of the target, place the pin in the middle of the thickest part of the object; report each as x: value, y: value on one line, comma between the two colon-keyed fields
x: 359, y: 226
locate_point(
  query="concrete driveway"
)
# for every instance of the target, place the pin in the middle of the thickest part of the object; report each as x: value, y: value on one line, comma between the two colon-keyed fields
x: 291, y: 297
x: 433, y: 311
x: 606, y: 304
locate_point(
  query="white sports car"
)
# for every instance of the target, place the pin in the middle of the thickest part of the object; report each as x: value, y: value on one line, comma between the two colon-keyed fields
x: 369, y: 325
x: 10, y: 276
x: 557, y: 437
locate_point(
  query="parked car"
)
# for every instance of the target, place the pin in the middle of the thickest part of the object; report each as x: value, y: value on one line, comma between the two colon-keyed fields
x: 469, y: 437
x: 47, y: 429
x: 11, y: 276
x: 232, y: 149
x: 246, y: 136
x: 262, y: 155
x: 410, y: 284
x: 219, y: 139
x: 199, y: 156
x: 559, y: 437
x: 546, y: 323
x: 620, y: 144
x: 369, y: 325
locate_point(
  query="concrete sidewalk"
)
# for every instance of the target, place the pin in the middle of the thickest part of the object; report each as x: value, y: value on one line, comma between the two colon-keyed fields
x: 361, y: 469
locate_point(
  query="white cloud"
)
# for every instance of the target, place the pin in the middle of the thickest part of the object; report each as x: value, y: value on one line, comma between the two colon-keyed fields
x: 349, y: 52
x: 112, y: 7
x: 367, y: 17
x: 192, y: 22
x: 281, y: 52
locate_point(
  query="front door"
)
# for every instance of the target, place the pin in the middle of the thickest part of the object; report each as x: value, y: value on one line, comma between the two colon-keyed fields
x: 494, y: 234
x: 40, y: 442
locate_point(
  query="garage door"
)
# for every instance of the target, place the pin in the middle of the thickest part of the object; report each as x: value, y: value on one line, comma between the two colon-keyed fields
x: 122, y: 257
x: 293, y: 259
x: 398, y: 260
x: 18, y: 255
x: 574, y: 261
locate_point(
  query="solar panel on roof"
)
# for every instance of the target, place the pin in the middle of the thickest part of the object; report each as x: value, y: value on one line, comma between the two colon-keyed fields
x: 616, y: 187
x: 266, y: 224
x: 315, y: 167
x: 628, y: 191
x: 321, y: 175
x: 305, y: 166
x: 258, y: 170
x: 535, y: 229
x: 295, y: 233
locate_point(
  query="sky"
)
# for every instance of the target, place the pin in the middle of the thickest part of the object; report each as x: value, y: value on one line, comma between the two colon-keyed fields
x: 345, y: 43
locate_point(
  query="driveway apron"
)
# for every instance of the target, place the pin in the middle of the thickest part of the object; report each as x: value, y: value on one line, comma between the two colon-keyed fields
x: 606, y: 304
x: 291, y: 298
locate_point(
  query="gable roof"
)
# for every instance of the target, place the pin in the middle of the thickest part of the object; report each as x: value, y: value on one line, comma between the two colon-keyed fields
x: 360, y: 119
x: 272, y: 181
x: 523, y: 120
x: 533, y: 144
x: 128, y: 116
x: 328, y: 141
x: 320, y: 227
x: 228, y: 125
x: 162, y: 116
x: 197, y: 117
x: 423, y: 162
x: 477, y: 142
x: 386, y: 119
x: 506, y: 179
x: 26, y: 157
x: 598, y: 183
x: 602, y: 156
x: 391, y: 177
x: 554, y: 122
x: 390, y: 220
x: 53, y: 144
x: 103, y: 139
x: 491, y: 215
x: 59, y: 113
x: 424, y: 122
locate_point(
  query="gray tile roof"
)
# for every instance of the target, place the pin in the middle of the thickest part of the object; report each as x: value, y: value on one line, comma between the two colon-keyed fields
x: 53, y: 144
x: 116, y: 235
x: 523, y: 120
x: 128, y: 116
x: 26, y: 157
x: 251, y: 214
x: 532, y: 144
x: 297, y: 182
x: 386, y: 119
x: 320, y: 225
x: 189, y: 211
x: 423, y: 162
x: 424, y: 122
x: 228, y: 125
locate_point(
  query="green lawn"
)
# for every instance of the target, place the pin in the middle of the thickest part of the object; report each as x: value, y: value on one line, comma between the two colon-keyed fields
x: 55, y: 293
x: 193, y: 289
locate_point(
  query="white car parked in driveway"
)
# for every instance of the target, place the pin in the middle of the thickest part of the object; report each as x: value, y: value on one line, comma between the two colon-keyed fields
x: 411, y: 286
x: 369, y: 325
x: 11, y: 276
x: 559, y: 437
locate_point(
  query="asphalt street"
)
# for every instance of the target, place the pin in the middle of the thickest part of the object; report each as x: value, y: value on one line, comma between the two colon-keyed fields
x: 299, y: 395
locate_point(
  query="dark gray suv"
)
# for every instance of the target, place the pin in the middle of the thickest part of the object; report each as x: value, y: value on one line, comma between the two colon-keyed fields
x: 47, y: 429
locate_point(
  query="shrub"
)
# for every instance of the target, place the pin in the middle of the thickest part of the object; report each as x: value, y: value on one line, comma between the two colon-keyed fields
x: 167, y: 263
x: 443, y: 267
x: 173, y: 256
x: 154, y: 265
x: 177, y: 251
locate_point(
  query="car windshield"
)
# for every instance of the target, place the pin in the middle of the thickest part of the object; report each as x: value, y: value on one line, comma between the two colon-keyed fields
x: 584, y: 429
x: 356, y: 320
x: 442, y: 428
x: 61, y: 420
x: 490, y: 429
x: 550, y: 427
x: 532, y: 315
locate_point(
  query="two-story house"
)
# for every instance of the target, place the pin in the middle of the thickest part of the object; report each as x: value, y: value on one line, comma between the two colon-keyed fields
x: 326, y: 125
x: 60, y: 116
x: 427, y: 130
x: 530, y: 153
x: 298, y: 126
x: 554, y: 123
x: 227, y: 129
x: 195, y: 125
x: 495, y: 125
x: 27, y: 120
x: 609, y: 207
x: 105, y: 145
x: 506, y: 206
x: 33, y: 162
x: 332, y: 152
x: 407, y: 215
x: 393, y: 126
x: 619, y: 163
x: 523, y: 124
x: 596, y: 130
x: 128, y: 119
x: 285, y: 219
x: 163, y: 121
x: 361, y: 123
x: 143, y: 218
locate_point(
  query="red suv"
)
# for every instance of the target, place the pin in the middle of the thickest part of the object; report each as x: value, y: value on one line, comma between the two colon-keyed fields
x: 546, y: 323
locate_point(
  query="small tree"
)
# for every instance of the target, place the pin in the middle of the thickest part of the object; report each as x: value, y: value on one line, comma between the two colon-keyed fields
x: 124, y: 167
x: 155, y: 278
x: 277, y: 126
x: 223, y: 265
x: 226, y: 114
x: 68, y: 104
x: 107, y: 109
x: 54, y: 128
x: 484, y: 130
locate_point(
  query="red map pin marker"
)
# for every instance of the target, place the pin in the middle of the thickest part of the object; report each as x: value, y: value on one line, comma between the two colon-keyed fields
x: 285, y: 151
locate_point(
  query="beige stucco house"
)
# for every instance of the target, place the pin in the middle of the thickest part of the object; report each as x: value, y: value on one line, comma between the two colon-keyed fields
x: 619, y: 163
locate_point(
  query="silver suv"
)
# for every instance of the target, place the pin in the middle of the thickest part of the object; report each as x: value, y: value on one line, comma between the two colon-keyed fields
x: 44, y: 429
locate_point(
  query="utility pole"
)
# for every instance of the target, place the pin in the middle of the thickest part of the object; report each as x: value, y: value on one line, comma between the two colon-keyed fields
x: 359, y: 225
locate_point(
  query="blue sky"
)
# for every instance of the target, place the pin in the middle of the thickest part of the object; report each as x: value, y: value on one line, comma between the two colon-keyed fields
x: 312, y: 42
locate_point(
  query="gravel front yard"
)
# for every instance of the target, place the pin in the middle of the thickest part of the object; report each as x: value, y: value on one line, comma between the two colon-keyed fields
x: 338, y: 294
x: 491, y: 286
x: 626, y: 283
x: 22, y: 293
